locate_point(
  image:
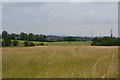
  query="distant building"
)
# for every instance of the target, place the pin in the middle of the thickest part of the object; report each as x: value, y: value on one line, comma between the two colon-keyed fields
x: 83, y: 39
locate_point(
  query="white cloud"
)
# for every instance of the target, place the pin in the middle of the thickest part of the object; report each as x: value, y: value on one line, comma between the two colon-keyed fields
x: 65, y: 18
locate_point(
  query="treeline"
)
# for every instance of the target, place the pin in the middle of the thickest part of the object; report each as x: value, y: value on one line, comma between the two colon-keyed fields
x: 24, y: 36
x: 12, y: 39
x: 106, y: 41
x: 69, y: 38
x: 40, y: 37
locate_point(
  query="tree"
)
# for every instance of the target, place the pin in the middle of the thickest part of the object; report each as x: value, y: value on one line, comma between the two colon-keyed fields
x: 6, y: 42
x: 23, y: 36
x: 31, y: 37
x: 41, y: 37
x: 3, y: 44
x: 4, y: 34
x: 15, y: 43
x: 37, y: 38
x: 69, y: 38
x: 13, y: 36
x: 105, y: 41
x: 44, y: 38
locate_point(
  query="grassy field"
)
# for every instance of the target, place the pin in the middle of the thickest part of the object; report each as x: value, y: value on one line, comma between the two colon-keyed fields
x: 79, y: 43
x: 60, y: 62
x: 73, y: 43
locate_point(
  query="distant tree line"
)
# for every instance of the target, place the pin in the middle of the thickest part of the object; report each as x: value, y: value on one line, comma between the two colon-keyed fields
x: 12, y: 39
x: 69, y: 38
x: 24, y: 36
x: 106, y: 41
x: 37, y: 37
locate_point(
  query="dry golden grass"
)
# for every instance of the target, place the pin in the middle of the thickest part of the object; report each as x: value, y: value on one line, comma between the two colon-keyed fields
x: 60, y: 62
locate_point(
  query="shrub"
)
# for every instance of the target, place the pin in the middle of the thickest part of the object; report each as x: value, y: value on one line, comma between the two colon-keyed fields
x: 26, y: 43
x: 6, y: 42
x: 105, y: 41
x: 41, y: 44
x: 15, y: 43
x: 31, y: 44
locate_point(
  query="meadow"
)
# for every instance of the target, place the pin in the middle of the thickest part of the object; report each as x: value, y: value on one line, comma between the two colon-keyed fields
x: 60, y: 62
x: 65, y: 43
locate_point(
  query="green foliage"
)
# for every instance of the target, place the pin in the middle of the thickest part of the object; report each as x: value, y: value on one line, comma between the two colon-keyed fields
x: 37, y: 37
x: 69, y: 38
x: 13, y: 36
x: 40, y: 37
x: 106, y: 41
x: 31, y: 37
x: 27, y: 43
x: 41, y: 44
x: 6, y: 42
x: 4, y: 34
x: 23, y: 36
x: 31, y: 44
x: 15, y: 43
x: 72, y: 43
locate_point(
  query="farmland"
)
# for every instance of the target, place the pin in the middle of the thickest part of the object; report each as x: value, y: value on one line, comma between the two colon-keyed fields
x: 78, y: 43
x: 60, y: 62
x: 59, y: 39
x: 72, y: 43
x: 65, y: 43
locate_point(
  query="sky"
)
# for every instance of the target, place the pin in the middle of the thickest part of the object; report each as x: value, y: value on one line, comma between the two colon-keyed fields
x: 61, y: 18
x: 60, y: 0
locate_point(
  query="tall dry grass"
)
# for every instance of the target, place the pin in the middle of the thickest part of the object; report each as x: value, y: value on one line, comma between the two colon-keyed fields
x: 60, y: 62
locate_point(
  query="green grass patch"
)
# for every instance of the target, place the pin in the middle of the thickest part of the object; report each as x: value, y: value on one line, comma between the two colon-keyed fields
x: 77, y: 43
x: 66, y: 43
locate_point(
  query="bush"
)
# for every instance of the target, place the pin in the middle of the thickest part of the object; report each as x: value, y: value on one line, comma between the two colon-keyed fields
x: 15, y: 43
x: 26, y: 43
x: 6, y: 42
x: 105, y: 41
x: 41, y: 44
x: 31, y: 44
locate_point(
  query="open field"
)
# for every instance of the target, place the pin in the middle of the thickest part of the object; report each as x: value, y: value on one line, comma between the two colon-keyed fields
x: 60, y: 62
x: 72, y: 43
x: 77, y: 43
x: 65, y: 43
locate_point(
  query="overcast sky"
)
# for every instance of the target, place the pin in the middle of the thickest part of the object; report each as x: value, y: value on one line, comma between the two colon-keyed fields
x: 60, y: 0
x: 61, y: 18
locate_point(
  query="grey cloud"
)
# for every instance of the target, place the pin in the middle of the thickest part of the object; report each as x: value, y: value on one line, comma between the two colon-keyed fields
x: 64, y: 17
